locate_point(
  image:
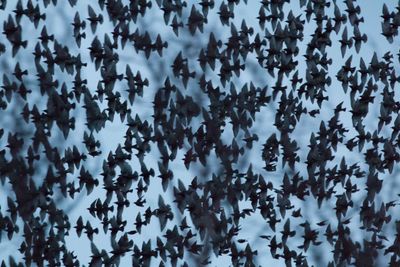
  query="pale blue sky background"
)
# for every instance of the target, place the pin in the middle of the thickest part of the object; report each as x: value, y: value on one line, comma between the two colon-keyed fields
x: 58, y: 23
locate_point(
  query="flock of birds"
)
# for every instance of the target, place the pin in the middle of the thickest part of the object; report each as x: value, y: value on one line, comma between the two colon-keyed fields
x: 210, y: 209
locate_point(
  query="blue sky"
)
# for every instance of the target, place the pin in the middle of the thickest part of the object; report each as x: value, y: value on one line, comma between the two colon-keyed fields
x: 58, y: 22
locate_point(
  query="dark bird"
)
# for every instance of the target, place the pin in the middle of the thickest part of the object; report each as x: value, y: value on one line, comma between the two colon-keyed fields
x: 94, y: 19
